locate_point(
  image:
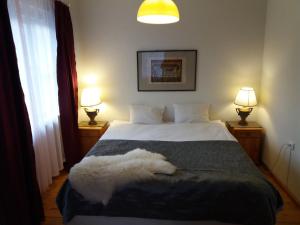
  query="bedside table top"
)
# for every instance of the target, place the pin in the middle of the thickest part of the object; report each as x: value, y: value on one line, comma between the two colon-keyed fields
x: 99, y: 125
x: 251, y: 125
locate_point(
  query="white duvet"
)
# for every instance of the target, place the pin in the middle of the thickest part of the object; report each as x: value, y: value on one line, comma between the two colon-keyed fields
x: 124, y: 130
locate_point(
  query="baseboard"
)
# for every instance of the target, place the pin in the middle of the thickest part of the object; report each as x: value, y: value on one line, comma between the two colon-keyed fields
x: 286, y: 189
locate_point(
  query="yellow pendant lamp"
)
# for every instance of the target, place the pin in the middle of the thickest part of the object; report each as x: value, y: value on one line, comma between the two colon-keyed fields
x: 158, y: 12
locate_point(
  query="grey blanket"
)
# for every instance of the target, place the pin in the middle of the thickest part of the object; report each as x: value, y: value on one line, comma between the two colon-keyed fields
x: 215, y: 180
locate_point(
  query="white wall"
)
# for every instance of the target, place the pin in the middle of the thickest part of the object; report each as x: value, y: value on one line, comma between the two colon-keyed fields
x: 280, y: 89
x: 228, y: 35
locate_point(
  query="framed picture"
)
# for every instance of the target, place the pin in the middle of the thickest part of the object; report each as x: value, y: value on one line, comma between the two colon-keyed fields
x: 167, y: 70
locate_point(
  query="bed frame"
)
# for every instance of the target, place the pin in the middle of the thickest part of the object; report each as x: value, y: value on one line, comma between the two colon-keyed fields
x: 102, y: 220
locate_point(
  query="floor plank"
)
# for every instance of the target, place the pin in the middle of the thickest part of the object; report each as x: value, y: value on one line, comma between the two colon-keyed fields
x: 290, y: 215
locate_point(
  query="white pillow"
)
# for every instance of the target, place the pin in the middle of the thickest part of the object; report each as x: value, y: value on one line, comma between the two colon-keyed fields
x: 189, y: 113
x: 146, y: 114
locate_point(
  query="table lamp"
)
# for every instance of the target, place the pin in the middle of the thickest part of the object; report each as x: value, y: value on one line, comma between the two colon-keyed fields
x: 245, y: 98
x: 90, y: 100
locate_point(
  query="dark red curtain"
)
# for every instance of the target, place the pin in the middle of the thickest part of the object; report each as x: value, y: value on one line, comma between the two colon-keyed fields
x: 67, y: 84
x: 20, y: 200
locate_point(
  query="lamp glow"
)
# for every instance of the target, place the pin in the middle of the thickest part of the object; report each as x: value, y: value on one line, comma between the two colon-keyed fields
x: 158, y: 12
x: 245, y: 98
x: 90, y: 99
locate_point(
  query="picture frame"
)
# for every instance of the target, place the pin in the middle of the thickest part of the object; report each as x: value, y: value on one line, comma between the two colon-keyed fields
x: 167, y: 70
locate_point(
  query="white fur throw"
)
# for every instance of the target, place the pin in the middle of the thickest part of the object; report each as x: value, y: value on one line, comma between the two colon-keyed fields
x: 97, y: 177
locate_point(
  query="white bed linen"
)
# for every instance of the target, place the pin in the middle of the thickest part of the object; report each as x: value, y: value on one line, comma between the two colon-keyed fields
x: 123, y: 130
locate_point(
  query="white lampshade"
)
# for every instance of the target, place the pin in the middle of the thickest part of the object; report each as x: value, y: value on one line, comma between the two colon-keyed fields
x: 246, y: 97
x: 158, y: 12
x: 90, y: 97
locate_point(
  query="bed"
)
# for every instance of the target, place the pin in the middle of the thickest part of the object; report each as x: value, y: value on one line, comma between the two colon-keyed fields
x: 216, y: 182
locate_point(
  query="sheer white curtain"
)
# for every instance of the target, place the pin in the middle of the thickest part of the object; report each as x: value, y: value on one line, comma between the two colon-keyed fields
x: 33, y: 25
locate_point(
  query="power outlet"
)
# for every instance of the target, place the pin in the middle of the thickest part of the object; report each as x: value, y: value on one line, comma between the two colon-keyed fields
x: 292, y: 145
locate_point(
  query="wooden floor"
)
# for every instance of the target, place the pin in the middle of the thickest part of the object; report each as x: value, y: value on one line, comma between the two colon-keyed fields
x: 290, y: 215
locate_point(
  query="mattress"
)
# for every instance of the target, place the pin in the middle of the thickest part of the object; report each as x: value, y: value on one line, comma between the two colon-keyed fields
x: 216, y: 180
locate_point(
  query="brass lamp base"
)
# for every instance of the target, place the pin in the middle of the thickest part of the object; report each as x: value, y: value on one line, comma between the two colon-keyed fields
x: 92, y: 115
x: 243, y: 113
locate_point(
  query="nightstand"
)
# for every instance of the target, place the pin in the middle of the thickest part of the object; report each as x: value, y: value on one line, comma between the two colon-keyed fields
x: 90, y: 134
x: 250, y: 137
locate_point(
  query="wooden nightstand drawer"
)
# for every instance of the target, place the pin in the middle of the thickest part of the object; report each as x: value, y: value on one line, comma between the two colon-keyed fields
x: 89, y: 135
x: 90, y: 132
x: 247, y: 133
x: 250, y: 138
